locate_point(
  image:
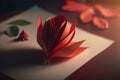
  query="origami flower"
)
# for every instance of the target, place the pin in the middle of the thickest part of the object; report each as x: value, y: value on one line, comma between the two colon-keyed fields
x: 91, y: 13
x: 55, y: 38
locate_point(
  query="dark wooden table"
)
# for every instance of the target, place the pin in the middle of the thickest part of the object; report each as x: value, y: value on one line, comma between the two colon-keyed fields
x: 106, y: 65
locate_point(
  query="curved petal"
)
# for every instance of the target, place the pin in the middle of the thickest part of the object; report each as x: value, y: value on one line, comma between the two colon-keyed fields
x: 39, y: 36
x: 86, y: 16
x: 23, y: 36
x: 106, y: 12
x: 42, y: 44
x: 73, y: 27
x: 100, y: 22
x: 67, y: 51
x: 70, y: 35
x: 63, y: 43
x: 53, y: 30
x: 68, y: 31
x: 40, y: 26
x: 60, y: 21
x: 61, y: 29
x: 48, y: 34
x: 65, y: 32
x: 74, y: 6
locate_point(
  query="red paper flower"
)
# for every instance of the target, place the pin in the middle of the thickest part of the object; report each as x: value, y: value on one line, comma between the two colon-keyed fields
x: 91, y: 13
x: 55, y: 37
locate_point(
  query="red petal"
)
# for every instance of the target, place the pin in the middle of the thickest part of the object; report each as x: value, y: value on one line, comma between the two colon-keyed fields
x: 86, y: 16
x: 74, y: 6
x: 69, y: 50
x: 52, y: 32
x: 67, y: 31
x: 40, y: 26
x: 23, y: 36
x: 67, y: 39
x: 73, y: 27
x: 59, y: 21
x: 39, y: 36
x: 42, y: 44
x: 61, y: 29
x: 48, y: 34
x: 59, y: 59
x: 106, y: 12
x: 63, y: 43
x: 100, y: 23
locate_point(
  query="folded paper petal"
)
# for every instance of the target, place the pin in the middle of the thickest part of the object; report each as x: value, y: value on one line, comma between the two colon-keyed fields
x: 62, y: 58
x: 86, y: 16
x: 63, y: 43
x: 69, y: 50
x: 23, y: 36
x: 39, y: 36
x: 48, y: 35
x: 74, y: 6
x: 60, y: 29
x: 106, y: 12
x: 100, y: 22
x: 63, y: 31
x: 59, y: 21
x: 40, y: 26
x: 42, y: 44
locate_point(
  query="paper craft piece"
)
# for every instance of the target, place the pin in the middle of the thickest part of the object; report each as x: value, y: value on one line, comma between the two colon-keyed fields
x: 90, y: 13
x: 12, y: 31
x: 95, y: 44
x: 100, y: 22
x: 23, y: 36
x: 56, y: 35
x: 106, y: 12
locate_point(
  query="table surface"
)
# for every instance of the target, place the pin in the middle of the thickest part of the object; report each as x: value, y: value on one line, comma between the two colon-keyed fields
x: 106, y: 65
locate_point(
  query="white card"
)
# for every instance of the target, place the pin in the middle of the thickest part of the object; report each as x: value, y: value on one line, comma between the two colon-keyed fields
x: 60, y: 71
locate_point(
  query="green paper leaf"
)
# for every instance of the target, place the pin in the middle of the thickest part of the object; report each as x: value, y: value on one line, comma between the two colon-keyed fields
x: 12, y: 31
x: 20, y: 22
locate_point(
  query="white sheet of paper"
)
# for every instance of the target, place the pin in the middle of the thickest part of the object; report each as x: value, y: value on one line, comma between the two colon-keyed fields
x: 60, y: 71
